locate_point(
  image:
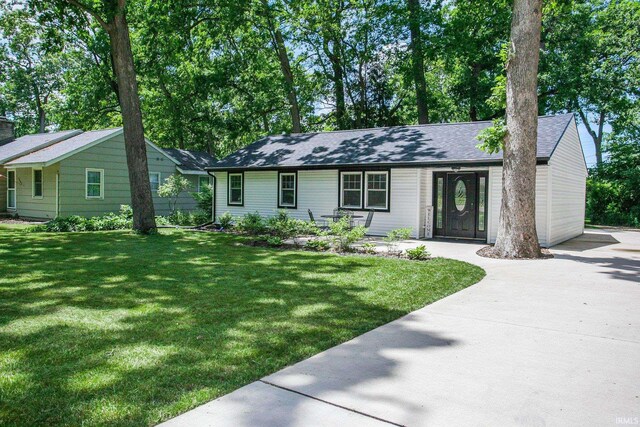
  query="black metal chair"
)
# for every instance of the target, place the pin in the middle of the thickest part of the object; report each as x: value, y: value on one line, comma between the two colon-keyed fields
x: 367, y: 221
x: 322, y: 226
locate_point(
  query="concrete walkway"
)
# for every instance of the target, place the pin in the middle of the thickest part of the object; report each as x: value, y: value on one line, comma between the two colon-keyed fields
x: 536, y: 343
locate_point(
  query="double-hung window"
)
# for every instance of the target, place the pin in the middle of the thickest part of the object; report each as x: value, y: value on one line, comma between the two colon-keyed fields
x: 287, y: 185
x: 351, y: 190
x: 203, y: 181
x: 94, y: 184
x: 376, y: 195
x: 235, y: 194
x: 11, y: 189
x: 36, y: 188
x: 154, y: 180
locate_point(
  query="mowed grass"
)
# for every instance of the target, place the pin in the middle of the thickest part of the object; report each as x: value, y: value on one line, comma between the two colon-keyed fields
x: 121, y: 329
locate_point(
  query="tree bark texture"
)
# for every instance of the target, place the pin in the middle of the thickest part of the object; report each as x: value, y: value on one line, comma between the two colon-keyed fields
x: 517, y: 236
x: 417, y: 61
x: 135, y: 145
x: 289, y: 85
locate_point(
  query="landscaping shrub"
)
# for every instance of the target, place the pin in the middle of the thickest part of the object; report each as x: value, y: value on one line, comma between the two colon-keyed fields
x: 182, y: 218
x: 274, y: 241
x: 418, y: 253
x: 225, y: 220
x: 318, y: 245
x: 343, y: 235
x: 368, y: 248
x: 172, y: 187
x: 111, y: 221
x: 395, y: 236
x: 251, y: 223
x: 204, y: 199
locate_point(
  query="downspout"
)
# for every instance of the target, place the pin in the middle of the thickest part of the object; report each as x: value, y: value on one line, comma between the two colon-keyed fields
x: 213, y: 196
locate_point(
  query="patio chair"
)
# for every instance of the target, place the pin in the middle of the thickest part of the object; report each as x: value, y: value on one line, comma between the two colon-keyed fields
x: 367, y: 221
x: 323, y: 225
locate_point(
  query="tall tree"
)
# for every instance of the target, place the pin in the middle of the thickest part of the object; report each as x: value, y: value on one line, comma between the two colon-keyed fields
x: 112, y: 17
x: 417, y: 60
x: 517, y: 236
x: 29, y: 70
x: 590, y: 63
x: 279, y: 46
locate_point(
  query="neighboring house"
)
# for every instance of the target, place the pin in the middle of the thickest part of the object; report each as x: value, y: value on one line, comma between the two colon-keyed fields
x: 85, y: 173
x: 430, y: 178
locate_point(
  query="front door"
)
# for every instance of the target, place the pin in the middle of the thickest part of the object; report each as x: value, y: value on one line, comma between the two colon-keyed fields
x: 460, y: 202
x: 460, y: 205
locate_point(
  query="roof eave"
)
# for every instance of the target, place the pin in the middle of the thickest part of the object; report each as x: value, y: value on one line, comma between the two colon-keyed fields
x: 443, y: 163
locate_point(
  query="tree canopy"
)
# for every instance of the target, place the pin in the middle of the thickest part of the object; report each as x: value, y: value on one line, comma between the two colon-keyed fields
x: 217, y: 75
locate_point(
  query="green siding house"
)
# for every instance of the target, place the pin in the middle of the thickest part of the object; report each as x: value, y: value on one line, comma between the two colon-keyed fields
x: 44, y: 176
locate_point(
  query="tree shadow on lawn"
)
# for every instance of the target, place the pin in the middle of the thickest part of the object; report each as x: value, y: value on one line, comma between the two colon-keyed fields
x: 123, y: 329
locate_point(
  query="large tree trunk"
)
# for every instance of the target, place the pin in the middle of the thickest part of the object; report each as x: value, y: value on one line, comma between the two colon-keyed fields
x: 287, y: 74
x: 135, y: 146
x: 517, y: 236
x: 596, y: 136
x: 417, y: 61
x: 338, y: 86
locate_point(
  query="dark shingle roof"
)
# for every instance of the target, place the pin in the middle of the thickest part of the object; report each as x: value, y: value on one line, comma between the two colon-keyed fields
x: 421, y: 144
x: 191, y: 160
x: 30, y: 143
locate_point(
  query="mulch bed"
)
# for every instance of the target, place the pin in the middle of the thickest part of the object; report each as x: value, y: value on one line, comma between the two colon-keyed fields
x: 487, y: 252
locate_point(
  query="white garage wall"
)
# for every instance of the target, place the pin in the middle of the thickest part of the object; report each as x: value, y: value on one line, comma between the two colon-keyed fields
x: 568, y: 186
x: 318, y: 191
x: 495, y: 202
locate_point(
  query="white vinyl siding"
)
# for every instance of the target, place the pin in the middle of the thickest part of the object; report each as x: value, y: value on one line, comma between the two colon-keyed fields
x: 568, y: 174
x: 318, y: 190
x: 495, y: 202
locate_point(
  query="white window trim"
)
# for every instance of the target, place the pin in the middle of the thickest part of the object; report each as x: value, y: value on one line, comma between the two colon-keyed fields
x: 33, y: 183
x: 159, y: 180
x: 295, y: 189
x: 366, y: 190
x: 229, y: 201
x: 199, y: 190
x: 86, y: 184
x: 342, y: 205
x: 14, y: 188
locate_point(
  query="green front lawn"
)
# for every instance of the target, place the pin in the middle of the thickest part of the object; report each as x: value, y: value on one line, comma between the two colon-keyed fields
x: 116, y: 328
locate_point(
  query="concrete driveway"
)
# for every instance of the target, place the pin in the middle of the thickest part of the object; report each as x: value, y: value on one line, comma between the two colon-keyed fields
x: 536, y: 343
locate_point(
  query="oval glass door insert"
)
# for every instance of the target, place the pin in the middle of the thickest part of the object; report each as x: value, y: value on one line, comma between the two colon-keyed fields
x: 461, y: 195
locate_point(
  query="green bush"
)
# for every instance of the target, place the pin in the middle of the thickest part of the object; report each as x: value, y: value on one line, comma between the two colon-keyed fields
x: 369, y: 248
x: 274, y: 241
x: 111, y: 221
x: 204, y: 199
x: 251, y: 223
x: 343, y: 235
x: 418, y: 253
x: 182, y: 218
x: 395, y: 236
x: 225, y: 220
x: 318, y: 245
